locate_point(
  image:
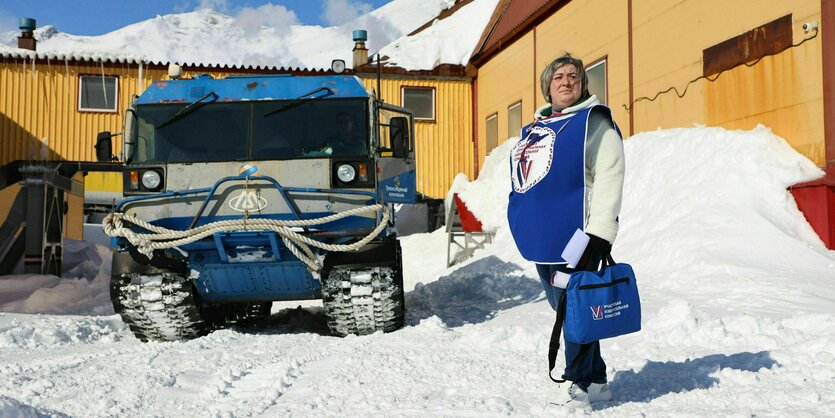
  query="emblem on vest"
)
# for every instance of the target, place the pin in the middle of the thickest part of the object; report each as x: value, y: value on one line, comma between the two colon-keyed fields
x: 532, y: 158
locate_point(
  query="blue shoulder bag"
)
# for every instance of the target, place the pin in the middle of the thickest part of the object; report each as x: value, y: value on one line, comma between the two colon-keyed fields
x: 602, y: 304
x: 598, y: 305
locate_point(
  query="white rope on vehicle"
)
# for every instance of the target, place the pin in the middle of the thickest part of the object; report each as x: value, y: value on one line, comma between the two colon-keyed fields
x: 161, y: 238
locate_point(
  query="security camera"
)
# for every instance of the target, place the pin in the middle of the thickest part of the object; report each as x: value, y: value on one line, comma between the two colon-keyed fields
x: 810, y: 26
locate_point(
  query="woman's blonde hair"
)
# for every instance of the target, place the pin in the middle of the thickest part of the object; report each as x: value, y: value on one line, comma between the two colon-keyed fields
x: 548, y: 74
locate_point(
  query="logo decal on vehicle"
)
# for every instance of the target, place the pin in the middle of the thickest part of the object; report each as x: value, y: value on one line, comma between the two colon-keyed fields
x: 596, y: 312
x: 248, y: 201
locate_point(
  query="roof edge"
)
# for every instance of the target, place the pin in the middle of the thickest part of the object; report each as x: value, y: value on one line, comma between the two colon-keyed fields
x: 441, y: 16
x: 480, y: 57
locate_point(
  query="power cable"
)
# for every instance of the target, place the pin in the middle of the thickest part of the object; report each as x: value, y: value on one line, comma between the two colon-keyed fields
x: 715, y: 76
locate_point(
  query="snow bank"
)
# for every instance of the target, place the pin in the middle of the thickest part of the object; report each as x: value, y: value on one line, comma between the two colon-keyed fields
x: 83, y: 289
x: 703, y: 209
x: 22, y: 331
x: 736, y: 300
x: 708, y: 208
x: 486, y: 197
x: 10, y: 408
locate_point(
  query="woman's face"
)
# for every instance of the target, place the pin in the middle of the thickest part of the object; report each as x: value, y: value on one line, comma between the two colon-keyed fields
x: 565, y: 87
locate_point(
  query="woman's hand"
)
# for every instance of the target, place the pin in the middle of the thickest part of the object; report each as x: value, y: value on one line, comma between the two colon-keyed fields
x: 597, y: 250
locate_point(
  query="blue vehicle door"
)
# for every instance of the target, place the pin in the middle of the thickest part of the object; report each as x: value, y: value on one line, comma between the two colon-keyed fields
x: 396, y: 146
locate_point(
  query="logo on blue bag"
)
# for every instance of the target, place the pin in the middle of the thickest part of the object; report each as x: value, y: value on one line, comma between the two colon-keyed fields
x: 608, y: 311
x: 596, y: 312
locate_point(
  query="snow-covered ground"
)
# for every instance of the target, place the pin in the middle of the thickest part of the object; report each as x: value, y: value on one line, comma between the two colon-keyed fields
x: 738, y: 316
x: 271, y: 36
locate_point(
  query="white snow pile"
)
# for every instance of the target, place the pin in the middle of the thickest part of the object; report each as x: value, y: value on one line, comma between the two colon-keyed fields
x: 738, y: 317
x: 10, y: 408
x: 447, y: 41
x: 83, y: 290
x: 267, y: 35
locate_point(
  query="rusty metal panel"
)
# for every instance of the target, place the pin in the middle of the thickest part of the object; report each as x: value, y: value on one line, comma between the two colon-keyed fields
x: 444, y: 147
x: 767, y: 39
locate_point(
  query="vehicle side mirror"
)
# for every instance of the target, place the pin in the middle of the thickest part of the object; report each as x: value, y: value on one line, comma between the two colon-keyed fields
x: 104, y: 147
x: 399, y: 136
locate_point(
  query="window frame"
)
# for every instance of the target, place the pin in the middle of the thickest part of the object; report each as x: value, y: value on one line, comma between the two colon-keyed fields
x: 518, y: 131
x: 494, y: 115
x: 434, y: 117
x: 605, y: 61
x: 115, y: 94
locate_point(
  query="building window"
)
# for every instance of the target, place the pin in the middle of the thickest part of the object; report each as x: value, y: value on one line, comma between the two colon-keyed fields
x: 514, y: 119
x: 98, y: 94
x: 421, y: 101
x: 492, y: 131
x: 597, y: 80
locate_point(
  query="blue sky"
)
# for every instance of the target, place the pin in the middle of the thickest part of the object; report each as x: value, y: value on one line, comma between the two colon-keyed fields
x: 95, y: 17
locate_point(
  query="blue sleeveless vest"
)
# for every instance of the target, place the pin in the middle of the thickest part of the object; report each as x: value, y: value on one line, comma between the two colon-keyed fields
x: 547, y: 202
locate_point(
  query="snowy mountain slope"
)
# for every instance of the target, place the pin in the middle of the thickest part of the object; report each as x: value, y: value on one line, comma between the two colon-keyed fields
x: 738, y: 317
x: 265, y: 36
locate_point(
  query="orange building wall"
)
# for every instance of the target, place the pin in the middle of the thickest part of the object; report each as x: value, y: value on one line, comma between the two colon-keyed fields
x: 503, y: 81
x: 783, y: 92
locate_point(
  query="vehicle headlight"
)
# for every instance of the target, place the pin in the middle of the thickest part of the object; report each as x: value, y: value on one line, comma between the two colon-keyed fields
x: 151, y: 180
x: 346, y: 173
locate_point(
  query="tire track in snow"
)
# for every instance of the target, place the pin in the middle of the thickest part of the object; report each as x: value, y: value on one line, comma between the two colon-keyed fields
x: 248, y: 385
x: 255, y: 389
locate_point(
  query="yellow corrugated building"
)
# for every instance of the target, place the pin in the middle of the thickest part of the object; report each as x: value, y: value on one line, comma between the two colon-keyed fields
x: 40, y: 116
x: 443, y: 146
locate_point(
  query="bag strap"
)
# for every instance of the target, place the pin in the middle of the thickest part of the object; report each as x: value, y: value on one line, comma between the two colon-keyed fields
x: 554, y: 344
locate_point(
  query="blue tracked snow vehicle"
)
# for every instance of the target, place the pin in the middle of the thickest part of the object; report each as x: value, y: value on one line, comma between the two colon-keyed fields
x: 247, y: 190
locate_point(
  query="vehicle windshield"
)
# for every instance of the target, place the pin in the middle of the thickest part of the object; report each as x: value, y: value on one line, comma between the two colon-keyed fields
x: 240, y: 131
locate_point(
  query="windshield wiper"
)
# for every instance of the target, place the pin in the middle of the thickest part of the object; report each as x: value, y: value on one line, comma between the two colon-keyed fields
x: 190, y: 108
x: 304, y: 98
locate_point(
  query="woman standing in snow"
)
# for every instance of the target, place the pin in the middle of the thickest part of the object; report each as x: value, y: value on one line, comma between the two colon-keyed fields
x: 567, y: 174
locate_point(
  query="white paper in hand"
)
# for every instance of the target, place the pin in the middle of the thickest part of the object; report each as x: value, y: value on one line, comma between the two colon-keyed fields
x: 560, y: 279
x: 575, y: 248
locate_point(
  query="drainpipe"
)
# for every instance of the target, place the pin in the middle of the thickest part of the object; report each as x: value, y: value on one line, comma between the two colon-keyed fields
x: 631, y: 73
x: 816, y: 199
x: 828, y: 51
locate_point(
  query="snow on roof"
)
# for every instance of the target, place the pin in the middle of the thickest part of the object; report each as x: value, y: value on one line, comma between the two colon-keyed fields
x: 206, y: 38
x: 446, y: 41
x: 17, y: 53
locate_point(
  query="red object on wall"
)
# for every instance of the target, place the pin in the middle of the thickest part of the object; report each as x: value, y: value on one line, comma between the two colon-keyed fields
x: 468, y: 221
x: 816, y: 199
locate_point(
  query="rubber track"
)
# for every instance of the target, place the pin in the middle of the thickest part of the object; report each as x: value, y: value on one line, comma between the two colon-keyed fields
x: 159, y: 307
x: 363, y: 301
